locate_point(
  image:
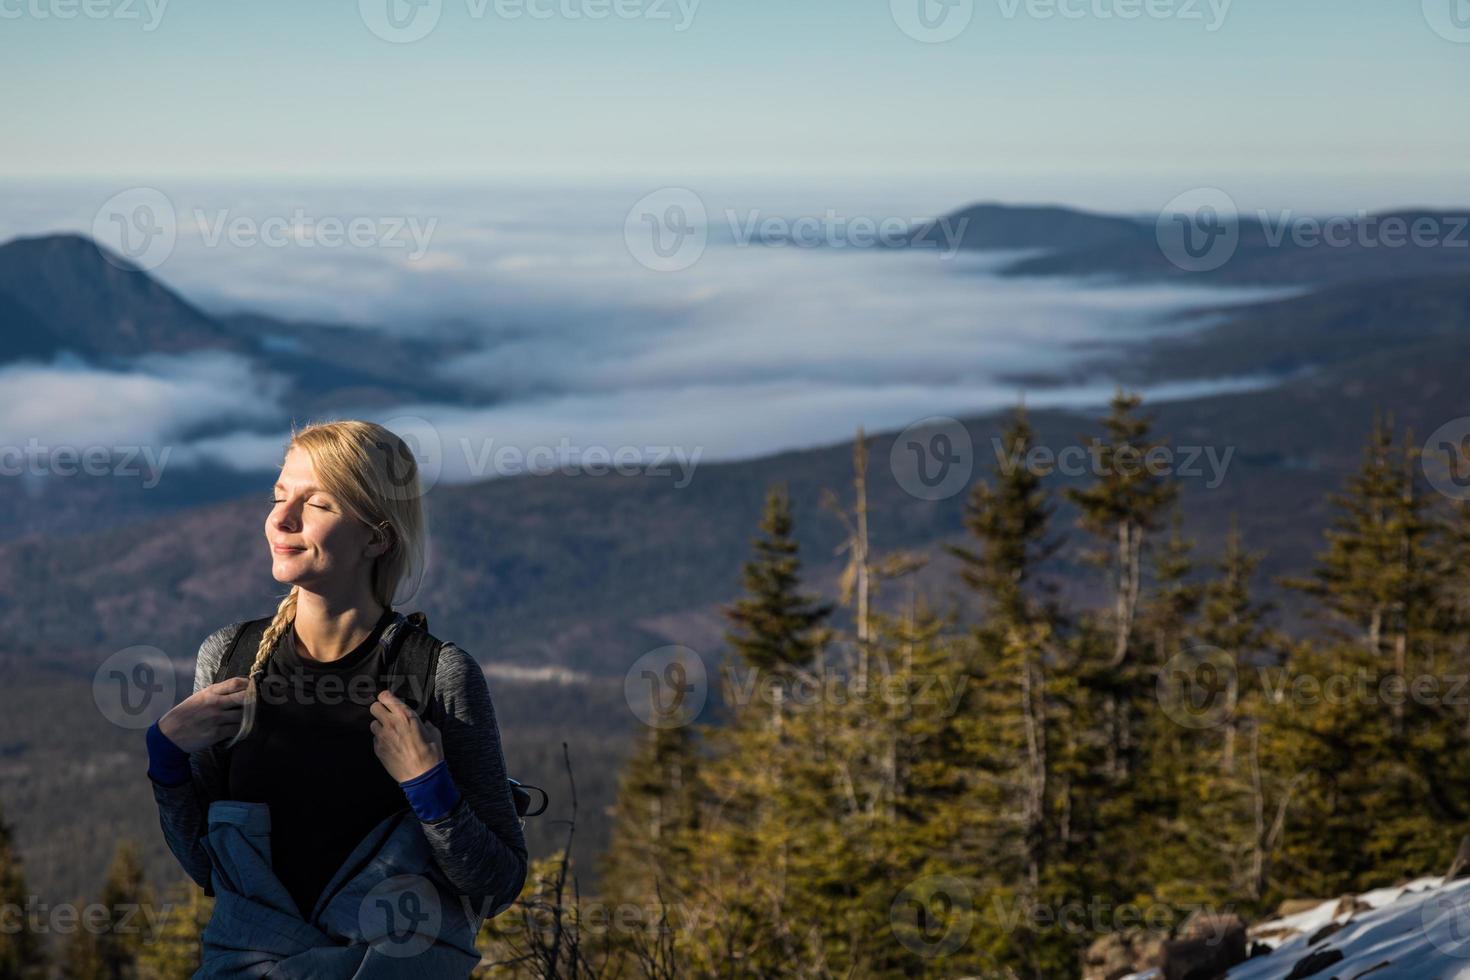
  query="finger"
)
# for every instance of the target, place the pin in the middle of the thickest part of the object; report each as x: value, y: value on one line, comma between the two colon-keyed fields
x: 393, y: 702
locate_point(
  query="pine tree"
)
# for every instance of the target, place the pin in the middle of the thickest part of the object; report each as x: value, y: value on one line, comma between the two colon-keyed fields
x: 1016, y: 723
x: 111, y: 951
x: 655, y: 818
x: 22, y: 954
x: 1382, y: 800
x: 774, y: 627
x: 1121, y: 509
x: 175, y: 953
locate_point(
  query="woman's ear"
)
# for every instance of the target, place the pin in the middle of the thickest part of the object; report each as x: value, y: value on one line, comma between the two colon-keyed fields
x: 382, y: 539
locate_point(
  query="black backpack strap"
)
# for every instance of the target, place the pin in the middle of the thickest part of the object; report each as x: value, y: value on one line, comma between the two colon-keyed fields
x: 238, y: 658
x: 412, y: 661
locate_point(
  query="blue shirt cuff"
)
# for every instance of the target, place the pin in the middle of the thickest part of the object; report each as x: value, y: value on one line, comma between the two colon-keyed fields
x: 432, y: 794
x: 168, y: 765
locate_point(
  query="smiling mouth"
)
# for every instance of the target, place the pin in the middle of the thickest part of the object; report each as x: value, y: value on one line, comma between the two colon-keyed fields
x: 286, y: 551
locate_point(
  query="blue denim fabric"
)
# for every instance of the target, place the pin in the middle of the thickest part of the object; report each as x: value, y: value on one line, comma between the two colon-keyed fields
x: 388, y: 912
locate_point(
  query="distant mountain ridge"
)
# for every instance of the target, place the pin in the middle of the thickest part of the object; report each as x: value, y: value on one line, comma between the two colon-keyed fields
x: 61, y: 292
x: 1280, y: 251
x: 67, y: 292
x: 1002, y: 227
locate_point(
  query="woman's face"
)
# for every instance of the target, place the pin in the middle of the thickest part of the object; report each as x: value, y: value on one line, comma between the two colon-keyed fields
x: 314, y: 543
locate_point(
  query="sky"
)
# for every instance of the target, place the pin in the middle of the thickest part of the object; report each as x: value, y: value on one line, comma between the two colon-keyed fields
x: 531, y: 133
x: 1325, y: 103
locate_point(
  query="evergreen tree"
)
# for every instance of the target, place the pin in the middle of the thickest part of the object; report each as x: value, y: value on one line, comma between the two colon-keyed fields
x: 774, y: 627
x: 1121, y: 509
x: 655, y: 818
x: 176, y: 952
x: 1381, y: 750
x: 22, y: 954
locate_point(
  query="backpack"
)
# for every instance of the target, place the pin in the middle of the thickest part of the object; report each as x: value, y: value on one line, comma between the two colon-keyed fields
x: 413, y: 659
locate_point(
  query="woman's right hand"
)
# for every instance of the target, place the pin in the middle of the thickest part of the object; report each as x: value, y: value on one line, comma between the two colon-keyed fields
x: 206, y: 716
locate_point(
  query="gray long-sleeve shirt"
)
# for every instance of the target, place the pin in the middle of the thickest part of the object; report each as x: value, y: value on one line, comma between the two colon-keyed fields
x: 479, y: 844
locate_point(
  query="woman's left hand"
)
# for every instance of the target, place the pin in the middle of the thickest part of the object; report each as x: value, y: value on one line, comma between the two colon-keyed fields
x: 406, y: 745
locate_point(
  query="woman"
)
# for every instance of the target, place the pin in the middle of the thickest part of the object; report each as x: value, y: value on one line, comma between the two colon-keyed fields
x: 334, y: 793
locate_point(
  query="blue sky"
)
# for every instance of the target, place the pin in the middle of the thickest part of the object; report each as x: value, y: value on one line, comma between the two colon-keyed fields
x: 1268, y: 92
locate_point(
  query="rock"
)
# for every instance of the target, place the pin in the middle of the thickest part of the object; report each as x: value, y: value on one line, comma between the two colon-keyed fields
x: 1294, y: 905
x: 1324, y: 932
x: 1314, y: 963
x: 1118, y: 954
x: 1211, y: 945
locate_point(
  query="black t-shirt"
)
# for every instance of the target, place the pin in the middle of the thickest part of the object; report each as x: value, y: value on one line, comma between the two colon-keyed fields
x: 310, y: 757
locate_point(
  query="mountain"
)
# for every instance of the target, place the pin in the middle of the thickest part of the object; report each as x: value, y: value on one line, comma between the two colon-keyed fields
x: 63, y: 292
x: 1001, y: 226
x: 1281, y: 337
x: 1271, y: 253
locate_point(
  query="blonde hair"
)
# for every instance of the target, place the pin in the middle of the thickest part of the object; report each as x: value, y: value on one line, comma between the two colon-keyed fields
x: 373, y: 475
